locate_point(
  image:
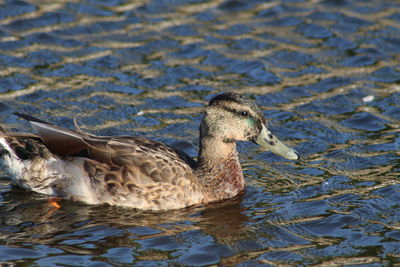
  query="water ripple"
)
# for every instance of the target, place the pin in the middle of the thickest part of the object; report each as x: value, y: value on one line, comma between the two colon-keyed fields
x: 325, y: 73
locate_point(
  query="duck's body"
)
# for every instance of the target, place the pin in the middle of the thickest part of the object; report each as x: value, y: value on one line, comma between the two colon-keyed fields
x: 138, y: 172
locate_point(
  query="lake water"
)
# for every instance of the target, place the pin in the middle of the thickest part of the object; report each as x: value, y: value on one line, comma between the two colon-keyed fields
x: 326, y: 74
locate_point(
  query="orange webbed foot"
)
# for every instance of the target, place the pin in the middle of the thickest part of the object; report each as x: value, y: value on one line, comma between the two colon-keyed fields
x: 52, y: 202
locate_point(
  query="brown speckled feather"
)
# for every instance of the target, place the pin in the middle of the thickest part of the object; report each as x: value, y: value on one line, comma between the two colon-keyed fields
x: 144, y: 161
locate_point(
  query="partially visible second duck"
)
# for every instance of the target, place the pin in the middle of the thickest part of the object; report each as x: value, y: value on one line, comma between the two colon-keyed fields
x: 137, y: 172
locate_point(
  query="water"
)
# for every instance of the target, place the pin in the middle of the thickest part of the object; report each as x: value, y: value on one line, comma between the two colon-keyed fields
x: 326, y: 74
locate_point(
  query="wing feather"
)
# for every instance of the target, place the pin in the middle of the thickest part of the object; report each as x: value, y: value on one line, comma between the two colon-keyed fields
x: 136, y: 158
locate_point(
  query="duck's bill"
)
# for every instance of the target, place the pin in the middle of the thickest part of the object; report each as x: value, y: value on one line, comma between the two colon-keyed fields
x: 269, y: 141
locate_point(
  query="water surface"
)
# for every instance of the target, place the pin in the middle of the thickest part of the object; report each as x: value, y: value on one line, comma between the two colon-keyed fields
x: 326, y: 74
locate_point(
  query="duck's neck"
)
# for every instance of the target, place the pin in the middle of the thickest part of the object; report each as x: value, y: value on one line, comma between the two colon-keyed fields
x: 219, y: 170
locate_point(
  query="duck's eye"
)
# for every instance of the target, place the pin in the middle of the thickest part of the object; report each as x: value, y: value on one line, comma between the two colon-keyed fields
x: 244, y: 113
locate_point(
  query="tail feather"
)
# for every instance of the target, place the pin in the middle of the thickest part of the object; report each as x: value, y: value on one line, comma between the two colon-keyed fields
x: 24, y: 147
x: 33, y: 165
x: 26, y: 160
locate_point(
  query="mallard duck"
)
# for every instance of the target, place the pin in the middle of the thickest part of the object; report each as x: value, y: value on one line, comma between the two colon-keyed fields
x: 137, y: 172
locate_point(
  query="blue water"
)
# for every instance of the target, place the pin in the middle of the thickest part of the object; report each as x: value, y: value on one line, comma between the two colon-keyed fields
x: 326, y: 74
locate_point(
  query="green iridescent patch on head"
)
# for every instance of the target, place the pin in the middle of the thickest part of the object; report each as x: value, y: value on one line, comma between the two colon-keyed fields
x: 251, y: 121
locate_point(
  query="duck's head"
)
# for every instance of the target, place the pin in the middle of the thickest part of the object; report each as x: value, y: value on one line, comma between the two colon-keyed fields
x: 231, y: 117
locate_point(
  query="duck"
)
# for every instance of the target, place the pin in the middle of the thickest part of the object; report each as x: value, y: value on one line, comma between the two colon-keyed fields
x: 136, y: 172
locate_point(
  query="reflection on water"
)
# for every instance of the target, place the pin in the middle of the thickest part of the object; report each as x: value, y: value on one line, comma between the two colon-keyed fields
x: 325, y: 72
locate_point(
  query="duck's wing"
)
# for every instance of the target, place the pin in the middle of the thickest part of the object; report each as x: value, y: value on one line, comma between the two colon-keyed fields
x: 127, y: 159
x: 141, y: 161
